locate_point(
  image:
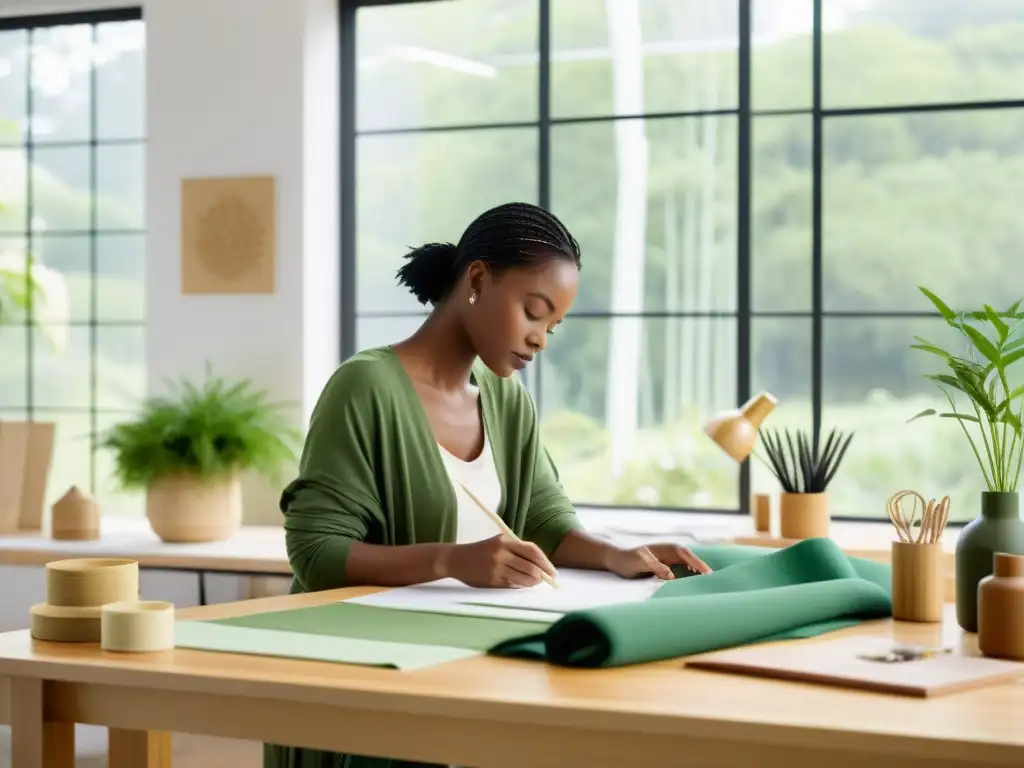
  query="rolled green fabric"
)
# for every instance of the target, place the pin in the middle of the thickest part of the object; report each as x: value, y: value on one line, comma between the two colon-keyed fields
x: 803, y: 590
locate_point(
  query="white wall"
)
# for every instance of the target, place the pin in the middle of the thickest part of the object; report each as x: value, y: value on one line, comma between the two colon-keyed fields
x: 238, y: 87
x: 234, y: 87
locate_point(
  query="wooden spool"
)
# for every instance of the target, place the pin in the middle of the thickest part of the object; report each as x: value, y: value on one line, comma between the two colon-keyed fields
x: 75, y: 517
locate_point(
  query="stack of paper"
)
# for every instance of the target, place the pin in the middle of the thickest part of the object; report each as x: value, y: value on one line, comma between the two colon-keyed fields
x: 578, y: 590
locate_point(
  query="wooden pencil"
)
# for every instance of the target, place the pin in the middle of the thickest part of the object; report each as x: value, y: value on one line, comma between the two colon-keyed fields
x: 504, y: 529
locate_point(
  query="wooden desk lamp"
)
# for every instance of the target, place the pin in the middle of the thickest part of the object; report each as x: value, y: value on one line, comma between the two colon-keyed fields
x: 735, y: 431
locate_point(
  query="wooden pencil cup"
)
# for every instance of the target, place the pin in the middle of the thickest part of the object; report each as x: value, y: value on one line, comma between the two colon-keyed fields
x: 917, y: 582
x: 762, y: 512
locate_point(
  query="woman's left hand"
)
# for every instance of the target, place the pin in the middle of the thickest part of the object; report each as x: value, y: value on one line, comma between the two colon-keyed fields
x: 654, y: 559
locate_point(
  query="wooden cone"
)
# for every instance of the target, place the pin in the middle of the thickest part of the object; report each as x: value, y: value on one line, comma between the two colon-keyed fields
x: 75, y: 517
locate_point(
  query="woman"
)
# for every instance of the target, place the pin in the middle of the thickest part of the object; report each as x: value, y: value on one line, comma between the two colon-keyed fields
x: 400, y: 433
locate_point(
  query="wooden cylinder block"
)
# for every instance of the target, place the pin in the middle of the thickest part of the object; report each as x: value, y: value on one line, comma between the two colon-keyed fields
x: 918, y: 583
x: 762, y: 512
x: 63, y: 624
x: 138, y: 627
x: 92, y: 581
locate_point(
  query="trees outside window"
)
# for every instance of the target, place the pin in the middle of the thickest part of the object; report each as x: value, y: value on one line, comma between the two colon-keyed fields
x: 759, y: 186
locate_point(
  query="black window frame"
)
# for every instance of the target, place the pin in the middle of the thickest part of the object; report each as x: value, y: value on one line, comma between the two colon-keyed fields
x: 29, y: 24
x: 747, y: 119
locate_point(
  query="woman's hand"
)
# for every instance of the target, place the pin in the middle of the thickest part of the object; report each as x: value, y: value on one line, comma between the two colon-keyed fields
x: 654, y: 559
x: 498, y: 562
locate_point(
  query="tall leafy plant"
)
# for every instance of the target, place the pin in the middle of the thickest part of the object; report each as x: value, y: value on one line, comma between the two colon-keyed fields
x: 807, y: 466
x: 979, y: 374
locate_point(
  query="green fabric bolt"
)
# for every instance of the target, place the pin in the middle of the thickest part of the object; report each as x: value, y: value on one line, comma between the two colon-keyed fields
x: 801, y: 591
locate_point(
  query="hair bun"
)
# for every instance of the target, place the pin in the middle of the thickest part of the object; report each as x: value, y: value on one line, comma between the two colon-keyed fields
x: 430, y: 271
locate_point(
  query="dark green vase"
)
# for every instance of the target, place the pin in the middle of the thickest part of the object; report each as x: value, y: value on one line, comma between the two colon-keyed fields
x: 999, y: 529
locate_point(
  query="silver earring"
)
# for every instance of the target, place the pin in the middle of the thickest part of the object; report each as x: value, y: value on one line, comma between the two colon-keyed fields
x: 472, y: 298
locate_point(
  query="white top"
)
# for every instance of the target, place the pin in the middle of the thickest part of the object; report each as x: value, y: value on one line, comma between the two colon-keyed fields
x: 481, y: 477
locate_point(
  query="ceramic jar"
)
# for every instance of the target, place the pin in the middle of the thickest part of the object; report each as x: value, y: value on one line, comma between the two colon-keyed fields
x: 999, y: 529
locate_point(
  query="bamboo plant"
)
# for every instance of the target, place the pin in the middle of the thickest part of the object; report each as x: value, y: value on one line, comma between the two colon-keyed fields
x: 993, y: 341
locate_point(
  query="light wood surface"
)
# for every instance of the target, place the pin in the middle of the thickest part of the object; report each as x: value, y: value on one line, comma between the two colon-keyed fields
x: 500, y: 713
x: 253, y: 549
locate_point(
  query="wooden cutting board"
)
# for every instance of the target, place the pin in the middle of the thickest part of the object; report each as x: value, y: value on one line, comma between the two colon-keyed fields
x: 864, y: 662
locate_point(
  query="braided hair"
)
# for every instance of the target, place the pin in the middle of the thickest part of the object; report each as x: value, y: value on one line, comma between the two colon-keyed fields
x: 510, y: 235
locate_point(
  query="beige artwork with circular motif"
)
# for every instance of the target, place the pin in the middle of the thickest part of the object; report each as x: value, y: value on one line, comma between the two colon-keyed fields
x: 228, y: 235
x: 230, y: 240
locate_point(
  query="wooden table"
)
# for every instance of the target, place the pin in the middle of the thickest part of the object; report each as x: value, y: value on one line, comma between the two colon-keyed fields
x: 252, y: 551
x: 494, y: 713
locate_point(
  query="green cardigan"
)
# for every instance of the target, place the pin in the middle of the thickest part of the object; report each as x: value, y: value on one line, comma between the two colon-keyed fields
x: 371, y: 471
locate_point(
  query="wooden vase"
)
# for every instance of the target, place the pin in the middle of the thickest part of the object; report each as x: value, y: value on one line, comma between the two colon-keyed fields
x: 182, y: 507
x: 26, y: 453
x: 75, y: 517
x: 803, y: 515
x: 1001, y: 609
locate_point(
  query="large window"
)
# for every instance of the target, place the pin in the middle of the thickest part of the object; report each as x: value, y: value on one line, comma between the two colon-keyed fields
x: 72, y: 198
x: 759, y: 186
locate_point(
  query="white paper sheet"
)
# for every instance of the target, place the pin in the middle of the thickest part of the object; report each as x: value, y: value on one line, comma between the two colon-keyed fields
x: 578, y: 590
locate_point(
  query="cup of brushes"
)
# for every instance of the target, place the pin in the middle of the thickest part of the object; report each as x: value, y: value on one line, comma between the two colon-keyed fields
x: 918, y: 579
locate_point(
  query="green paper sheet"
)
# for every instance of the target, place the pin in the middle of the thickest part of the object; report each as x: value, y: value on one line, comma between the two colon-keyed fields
x: 368, y: 622
x: 754, y: 595
x: 211, y: 636
x: 354, y: 634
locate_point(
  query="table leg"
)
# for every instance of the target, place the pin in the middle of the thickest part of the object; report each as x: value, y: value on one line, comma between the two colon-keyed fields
x: 36, y: 743
x: 138, y: 749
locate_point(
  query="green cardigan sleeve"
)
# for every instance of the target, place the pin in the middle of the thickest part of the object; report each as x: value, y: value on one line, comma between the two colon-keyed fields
x: 334, y: 501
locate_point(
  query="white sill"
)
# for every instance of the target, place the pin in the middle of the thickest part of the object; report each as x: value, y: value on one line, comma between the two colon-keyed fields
x: 869, y: 538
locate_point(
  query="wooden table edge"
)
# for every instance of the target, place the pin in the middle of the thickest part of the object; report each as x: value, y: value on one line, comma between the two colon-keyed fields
x: 85, y: 678
x: 256, y: 566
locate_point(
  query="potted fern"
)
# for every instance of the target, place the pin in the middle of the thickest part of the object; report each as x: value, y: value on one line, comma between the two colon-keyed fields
x: 804, y: 468
x: 188, y: 449
x: 977, y: 375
